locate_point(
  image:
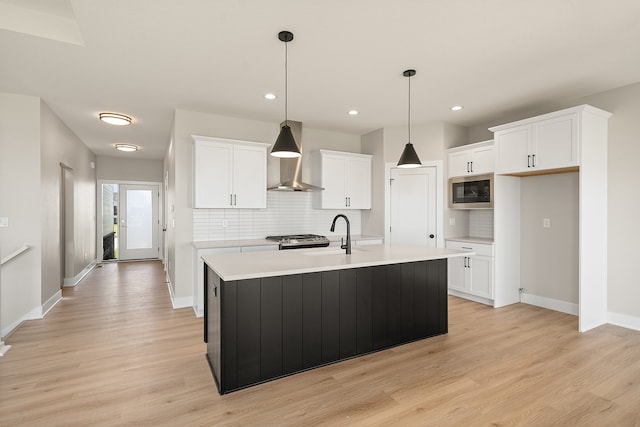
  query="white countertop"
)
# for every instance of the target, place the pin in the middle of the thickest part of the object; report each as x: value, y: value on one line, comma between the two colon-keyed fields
x: 264, y: 242
x: 297, y: 261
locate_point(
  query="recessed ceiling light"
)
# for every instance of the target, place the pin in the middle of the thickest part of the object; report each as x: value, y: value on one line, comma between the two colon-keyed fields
x: 457, y: 108
x: 115, y: 119
x: 270, y: 96
x: 353, y: 112
x: 126, y: 147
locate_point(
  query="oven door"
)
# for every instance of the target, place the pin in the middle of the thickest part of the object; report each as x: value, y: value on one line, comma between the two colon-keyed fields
x: 474, y: 192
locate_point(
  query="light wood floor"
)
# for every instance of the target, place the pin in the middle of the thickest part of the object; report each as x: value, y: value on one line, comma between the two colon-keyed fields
x: 114, y: 352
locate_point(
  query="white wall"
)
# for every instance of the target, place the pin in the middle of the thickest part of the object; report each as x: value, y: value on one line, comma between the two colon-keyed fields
x: 20, y: 202
x: 373, y: 219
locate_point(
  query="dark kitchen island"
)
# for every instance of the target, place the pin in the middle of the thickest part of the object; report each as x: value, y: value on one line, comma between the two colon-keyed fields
x: 272, y: 314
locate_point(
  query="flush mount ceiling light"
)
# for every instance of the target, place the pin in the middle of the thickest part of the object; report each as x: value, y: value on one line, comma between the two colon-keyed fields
x: 353, y: 112
x: 457, y: 108
x: 126, y: 147
x: 115, y: 119
x: 285, y: 145
x: 409, y: 157
x: 269, y: 96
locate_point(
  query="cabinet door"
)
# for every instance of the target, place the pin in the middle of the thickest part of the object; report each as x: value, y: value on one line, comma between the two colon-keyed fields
x: 555, y: 142
x: 212, y: 179
x: 250, y: 177
x: 456, y: 273
x: 481, y: 280
x: 513, y: 150
x: 358, y: 183
x: 458, y: 164
x: 481, y: 160
x: 334, y: 183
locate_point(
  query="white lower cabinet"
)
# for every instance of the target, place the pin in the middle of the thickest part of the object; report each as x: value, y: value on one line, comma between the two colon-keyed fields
x: 472, y: 275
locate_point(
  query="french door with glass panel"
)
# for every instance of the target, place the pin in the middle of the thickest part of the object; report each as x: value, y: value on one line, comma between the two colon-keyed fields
x: 138, y: 222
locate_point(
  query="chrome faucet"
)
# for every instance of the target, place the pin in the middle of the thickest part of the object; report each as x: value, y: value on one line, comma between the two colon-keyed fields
x: 333, y: 228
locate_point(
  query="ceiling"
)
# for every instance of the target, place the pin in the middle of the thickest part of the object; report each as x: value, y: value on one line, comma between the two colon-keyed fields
x: 145, y: 58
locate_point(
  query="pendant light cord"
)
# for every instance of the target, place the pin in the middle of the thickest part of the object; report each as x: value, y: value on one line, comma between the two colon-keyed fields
x: 286, y: 79
x: 409, y: 115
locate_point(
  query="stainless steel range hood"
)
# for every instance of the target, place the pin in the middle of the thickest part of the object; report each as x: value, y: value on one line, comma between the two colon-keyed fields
x: 291, y: 169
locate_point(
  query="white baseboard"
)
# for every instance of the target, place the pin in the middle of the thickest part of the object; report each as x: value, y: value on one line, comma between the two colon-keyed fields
x: 551, y: 304
x: 55, y: 298
x: 36, y: 313
x: 471, y: 297
x: 73, y: 281
x: 198, y: 311
x: 4, y: 348
x: 182, y: 302
x: 624, y: 320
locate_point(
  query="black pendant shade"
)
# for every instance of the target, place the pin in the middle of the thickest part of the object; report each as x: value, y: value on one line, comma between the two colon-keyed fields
x: 409, y: 158
x: 285, y: 145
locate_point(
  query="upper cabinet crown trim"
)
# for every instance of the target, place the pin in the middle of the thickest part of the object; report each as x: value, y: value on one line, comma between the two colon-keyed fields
x: 228, y: 141
x: 344, y: 153
x: 580, y: 108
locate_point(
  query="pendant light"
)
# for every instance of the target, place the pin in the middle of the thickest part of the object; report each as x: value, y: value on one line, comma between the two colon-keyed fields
x: 285, y: 145
x: 409, y: 157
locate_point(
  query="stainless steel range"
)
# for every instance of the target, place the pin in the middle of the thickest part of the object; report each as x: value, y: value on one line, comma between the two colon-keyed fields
x: 299, y: 241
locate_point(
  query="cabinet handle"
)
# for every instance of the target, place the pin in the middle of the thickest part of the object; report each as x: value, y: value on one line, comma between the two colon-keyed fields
x: 533, y: 157
x: 467, y: 167
x: 235, y: 200
x: 465, y: 262
x: 471, y: 163
x: 529, y: 160
x: 468, y: 262
x: 349, y: 201
x: 346, y: 201
x: 230, y: 199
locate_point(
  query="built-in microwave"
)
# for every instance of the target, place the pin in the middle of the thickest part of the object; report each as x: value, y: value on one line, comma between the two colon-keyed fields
x: 471, y: 192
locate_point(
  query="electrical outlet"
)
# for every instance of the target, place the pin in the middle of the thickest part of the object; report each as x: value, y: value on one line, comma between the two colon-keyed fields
x: 546, y: 222
x: 452, y: 221
x: 4, y: 221
x: 225, y: 223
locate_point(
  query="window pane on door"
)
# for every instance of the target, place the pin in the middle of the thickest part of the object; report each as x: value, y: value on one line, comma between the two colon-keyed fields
x: 139, y: 219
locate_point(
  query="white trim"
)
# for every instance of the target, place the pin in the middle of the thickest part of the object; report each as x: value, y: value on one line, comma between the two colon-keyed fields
x: 471, y: 297
x: 551, y: 304
x: 99, y: 183
x: 182, y: 302
x: 439, y: 199
x: 51, y: 302
x: 73, y: 281
x: 4, y: 348
x: 624, y: 320
x: 36, y: 313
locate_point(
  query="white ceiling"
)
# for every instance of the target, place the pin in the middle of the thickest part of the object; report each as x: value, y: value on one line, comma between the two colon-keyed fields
x: 145, y: 58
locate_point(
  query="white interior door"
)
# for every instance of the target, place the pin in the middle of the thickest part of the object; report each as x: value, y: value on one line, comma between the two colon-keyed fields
x: 138, y: 222
x: 413, y: 206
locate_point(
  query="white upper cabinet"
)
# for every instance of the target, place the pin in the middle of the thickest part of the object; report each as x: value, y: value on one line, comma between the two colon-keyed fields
x: 472, y: 159
x: 345, y: 177
x: 539, y: 144
x: 229, y: 173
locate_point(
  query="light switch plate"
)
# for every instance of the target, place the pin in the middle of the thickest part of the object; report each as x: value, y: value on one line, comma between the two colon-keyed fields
x: 546, y: 222
x: 4, y: 221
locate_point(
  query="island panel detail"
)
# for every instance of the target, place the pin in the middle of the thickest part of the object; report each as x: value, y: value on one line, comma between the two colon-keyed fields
x: 262, y: 329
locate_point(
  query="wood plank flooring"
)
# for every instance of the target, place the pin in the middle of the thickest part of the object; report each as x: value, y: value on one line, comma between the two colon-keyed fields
x: 114, y: 352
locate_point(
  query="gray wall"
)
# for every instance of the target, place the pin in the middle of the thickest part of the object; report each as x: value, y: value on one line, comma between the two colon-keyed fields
x: 178, y: 164
x: 33, y: 144
x: 128, y: 169
x: 20, y: 202
x: 623, y: 154
x: 373, y: 219
x: 549, y: 256
x: 59, y: 145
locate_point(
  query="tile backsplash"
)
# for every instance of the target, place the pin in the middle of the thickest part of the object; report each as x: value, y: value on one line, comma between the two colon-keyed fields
x: 481, y: 223
x: 286, y: 213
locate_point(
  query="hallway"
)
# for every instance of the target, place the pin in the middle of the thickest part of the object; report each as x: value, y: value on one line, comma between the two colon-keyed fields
x: 114, y: 352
